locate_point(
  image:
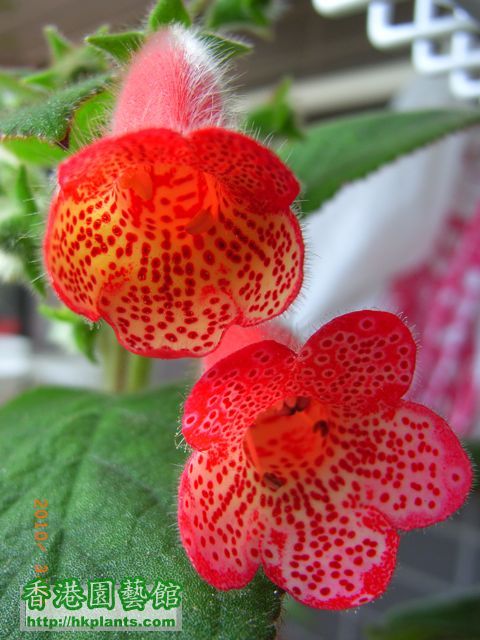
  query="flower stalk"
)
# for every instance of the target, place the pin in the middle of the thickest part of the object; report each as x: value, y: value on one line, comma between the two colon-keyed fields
x: 123, y: 372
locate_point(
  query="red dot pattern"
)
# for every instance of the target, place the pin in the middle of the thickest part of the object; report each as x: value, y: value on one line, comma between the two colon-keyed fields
x: 322, y: 519
x: 148, y: 232
x: 219, y: 516
x: 359, y: 359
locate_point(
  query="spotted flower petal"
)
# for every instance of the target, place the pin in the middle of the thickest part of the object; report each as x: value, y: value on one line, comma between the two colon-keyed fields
x: 222, y: 408
x: 321, y: 479
x: 330, y: 559
x: 218, y: 516
x: 170, y: 244
x: 406, y: 461
x: 358, y: 359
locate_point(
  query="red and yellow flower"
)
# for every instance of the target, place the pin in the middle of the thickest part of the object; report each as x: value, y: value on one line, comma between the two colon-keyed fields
x: 173, y: 235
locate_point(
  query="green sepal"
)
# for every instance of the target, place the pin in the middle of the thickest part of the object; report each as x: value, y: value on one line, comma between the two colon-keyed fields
x: 58, y: 45
x: 248, y: 14
x: 120, y: 46
x: 84, y: 333
x: 14, y: 91
x: 226, y: 48
x: 72, y: 65
x: 166, y: 12
x: 90, y: 120
x: 277, y: 118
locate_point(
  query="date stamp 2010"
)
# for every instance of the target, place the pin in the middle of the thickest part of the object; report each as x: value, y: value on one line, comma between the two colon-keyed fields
x: 40, y: 531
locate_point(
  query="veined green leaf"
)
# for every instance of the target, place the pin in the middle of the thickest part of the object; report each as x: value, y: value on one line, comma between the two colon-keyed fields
x: 50, y: 118
x: 338, y: 152
x: 109, y: 470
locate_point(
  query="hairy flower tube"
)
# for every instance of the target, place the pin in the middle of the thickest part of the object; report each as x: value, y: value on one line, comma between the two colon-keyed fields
x: 174, y: 228
x: 309, y: 463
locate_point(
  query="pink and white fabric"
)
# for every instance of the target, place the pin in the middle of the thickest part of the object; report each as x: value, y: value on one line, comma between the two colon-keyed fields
x: 441, y: 299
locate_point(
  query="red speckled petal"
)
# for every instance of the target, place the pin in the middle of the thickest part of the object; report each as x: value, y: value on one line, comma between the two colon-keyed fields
x: 250, y: 171
x: 230, y: 395
x: 91, y: 172
x: 262, y: 263
x: 218, y: 517
x: 326, y: 557
x: 405, y: 461
x: 140, y: 235
x: 358, y: 359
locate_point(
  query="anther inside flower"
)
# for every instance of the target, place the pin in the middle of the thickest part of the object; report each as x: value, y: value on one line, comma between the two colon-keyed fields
x: 310, y: 463
x: 292, y: 430
x: 173, y: 236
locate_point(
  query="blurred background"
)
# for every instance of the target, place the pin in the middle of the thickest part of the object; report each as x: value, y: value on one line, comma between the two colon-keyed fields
x: 412, y: 249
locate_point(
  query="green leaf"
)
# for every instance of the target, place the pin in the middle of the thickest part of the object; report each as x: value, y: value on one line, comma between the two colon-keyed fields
x: 85, y: 337
x: 46, y: 78
x: 14, y: 91
x: 256, y: 14
x: 120, y: 46
x: 166, y: 12
x: 109, y: 469
x: 84, y: 334
x: 50, y: 118
x: 226, y: 48
x: 436, y: 619
x: 277, y: 118
x: 344, y: 150
x: 20, y: 232
x: 60, y: 314
x: 90, y: 120
x: 24, y: 196
x: 72, y: 65
x: 16, y: 239
x: 58, y: 45
x: 34, y: 150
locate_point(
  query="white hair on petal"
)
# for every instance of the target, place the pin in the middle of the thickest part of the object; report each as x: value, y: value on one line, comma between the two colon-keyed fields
x: 176, y: 81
